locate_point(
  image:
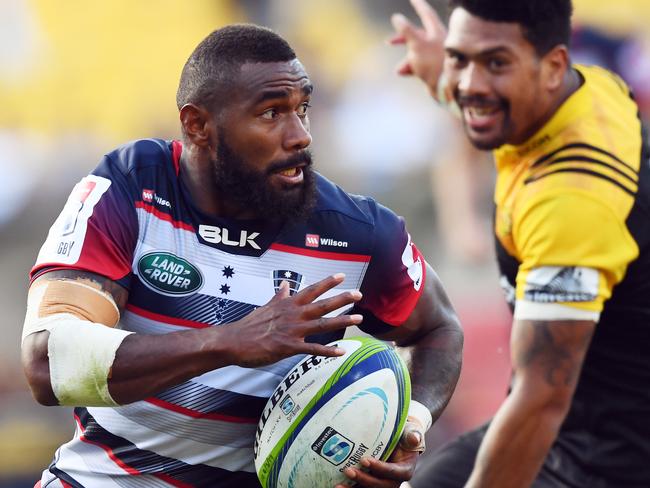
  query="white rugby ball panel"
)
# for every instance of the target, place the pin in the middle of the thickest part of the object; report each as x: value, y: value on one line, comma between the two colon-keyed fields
x: 345, y: 439
x: 329, y: 412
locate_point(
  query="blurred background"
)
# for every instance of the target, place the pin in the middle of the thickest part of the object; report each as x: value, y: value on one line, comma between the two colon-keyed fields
x: 78, y: 78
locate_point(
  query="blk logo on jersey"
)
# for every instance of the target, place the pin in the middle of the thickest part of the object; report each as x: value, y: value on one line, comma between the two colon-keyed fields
x: 220, y: 235
x: 169, y: 274
x: 292, y: 277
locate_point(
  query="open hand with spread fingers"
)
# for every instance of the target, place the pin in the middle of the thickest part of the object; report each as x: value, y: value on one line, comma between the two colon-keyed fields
x: 278, y: 329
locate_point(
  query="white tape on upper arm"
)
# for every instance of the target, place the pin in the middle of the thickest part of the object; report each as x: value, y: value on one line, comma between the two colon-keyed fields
x: 81, y: 355
x: 527, y: 310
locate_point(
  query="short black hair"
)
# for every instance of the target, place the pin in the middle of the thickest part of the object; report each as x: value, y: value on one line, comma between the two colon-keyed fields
x: 217, y: 59
x: 545, y: 23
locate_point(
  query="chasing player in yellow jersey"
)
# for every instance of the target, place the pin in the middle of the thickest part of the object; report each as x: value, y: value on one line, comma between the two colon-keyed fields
x: 573, y: 242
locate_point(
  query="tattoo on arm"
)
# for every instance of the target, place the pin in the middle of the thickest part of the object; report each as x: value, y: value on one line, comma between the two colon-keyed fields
x: 557, y: 348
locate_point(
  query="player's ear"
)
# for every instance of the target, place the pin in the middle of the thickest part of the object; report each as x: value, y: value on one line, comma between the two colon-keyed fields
x: 197, y: 124
x: 554, y: 66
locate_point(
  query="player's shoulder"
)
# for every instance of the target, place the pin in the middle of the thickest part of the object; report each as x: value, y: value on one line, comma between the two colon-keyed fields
x: 359, y: 209
x: 599, y: 79
x: 138, y: 154
x: 592, y: 146
x: 603, y: 108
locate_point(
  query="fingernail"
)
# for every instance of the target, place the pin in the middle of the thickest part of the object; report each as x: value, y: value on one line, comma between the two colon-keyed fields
x: 356, y: 318
x: 365, y: 462
x: 350, y: 473
x: 356, y: 294
x: 398, y: 18
x: 339, y: 276
x: 340, y: 351
x: 418, y: 438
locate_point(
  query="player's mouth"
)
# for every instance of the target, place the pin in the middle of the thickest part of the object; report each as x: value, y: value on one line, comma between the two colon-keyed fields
x: 292, y: 175
x: 291, y: 171
x: 482, y: 118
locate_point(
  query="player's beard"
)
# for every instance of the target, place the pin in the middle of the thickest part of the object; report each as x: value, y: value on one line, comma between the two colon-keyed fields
x: 499, y: 137
x: 252, y: 190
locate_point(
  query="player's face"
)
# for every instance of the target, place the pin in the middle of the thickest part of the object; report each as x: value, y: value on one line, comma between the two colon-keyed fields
x: 263, y: 136
x: 497, y: 79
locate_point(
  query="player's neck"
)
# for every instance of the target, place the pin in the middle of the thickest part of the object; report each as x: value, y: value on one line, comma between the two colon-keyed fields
x: 571, y: 83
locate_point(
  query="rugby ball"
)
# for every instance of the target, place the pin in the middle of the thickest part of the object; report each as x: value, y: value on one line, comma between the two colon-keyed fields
x: 329, y: 412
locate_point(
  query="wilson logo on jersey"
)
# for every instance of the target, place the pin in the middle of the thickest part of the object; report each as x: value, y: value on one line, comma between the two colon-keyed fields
x: 149, y: 196
x: 312, y: 240
x: 169, y: 274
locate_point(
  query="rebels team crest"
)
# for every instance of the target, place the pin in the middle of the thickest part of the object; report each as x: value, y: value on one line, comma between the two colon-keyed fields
x: 294, y: 279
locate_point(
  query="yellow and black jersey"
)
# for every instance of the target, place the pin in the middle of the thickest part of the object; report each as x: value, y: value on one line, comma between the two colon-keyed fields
x: 573, y: 241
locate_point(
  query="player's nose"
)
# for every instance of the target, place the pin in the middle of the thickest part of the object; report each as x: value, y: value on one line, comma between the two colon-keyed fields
x: 473, y: 80
x: 296, y: 134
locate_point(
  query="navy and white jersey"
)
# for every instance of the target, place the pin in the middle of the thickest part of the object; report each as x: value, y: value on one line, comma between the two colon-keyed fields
x: 133, y: 221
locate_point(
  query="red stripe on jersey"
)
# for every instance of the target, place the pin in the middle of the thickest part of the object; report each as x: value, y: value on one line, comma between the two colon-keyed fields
x: 337, y: 256
x: 163, y: 216
x: 129, y: 469
x: 44, y: 268
x: 177, y: 149
x: 107, y: 449
x: 172, y: 481
x: 164, y: 318
x: 200, y: 415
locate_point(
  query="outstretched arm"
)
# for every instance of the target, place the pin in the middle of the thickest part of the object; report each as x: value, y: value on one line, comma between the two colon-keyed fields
x: 434, y: 340
x: 142, y: 364
x: 547, y: 357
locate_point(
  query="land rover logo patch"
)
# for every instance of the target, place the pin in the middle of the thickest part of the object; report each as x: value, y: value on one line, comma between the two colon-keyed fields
x: 169, y: 274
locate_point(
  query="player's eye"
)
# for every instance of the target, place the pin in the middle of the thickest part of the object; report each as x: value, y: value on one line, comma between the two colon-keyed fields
x: 302, y: 109
x: 496, y: 64
x: 270, y: 114
x: 456, y: 59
